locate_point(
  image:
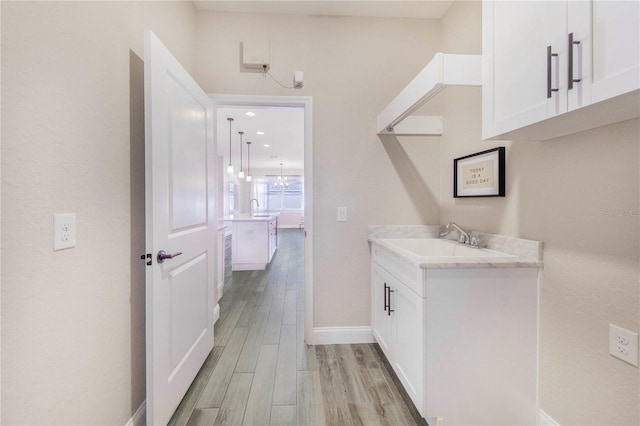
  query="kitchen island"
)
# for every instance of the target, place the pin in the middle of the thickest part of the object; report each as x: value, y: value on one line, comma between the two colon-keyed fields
x: 254, y: 240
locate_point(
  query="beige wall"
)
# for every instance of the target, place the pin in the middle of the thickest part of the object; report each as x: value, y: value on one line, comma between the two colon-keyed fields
x: 352, y: 68
x: 565, y: 192
x: 73, y: 141
x: 73, y: 323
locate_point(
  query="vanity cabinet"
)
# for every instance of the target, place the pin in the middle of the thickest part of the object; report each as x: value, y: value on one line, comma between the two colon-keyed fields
x: 381, y: 316
x: 552, y: 68
x: 463, y: 340
x: 399, y: 328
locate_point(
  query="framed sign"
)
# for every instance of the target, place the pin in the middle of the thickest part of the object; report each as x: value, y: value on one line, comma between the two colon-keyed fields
x: 480, y: 175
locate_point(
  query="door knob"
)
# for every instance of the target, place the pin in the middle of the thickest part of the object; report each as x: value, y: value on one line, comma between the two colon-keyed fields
x: 162, y: 255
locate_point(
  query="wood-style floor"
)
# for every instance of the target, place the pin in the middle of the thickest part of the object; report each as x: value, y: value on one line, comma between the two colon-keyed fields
x: 261, y: 372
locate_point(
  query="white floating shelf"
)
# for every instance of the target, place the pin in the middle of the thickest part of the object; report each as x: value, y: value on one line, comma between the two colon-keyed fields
x: 443, y: 70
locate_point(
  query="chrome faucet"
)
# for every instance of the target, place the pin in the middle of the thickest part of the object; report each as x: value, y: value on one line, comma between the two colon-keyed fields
x: 464, y: 236
x: 251, y: 204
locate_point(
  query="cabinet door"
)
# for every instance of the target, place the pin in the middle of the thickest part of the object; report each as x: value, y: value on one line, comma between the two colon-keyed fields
x: 381, y: 319
x: 516, y: 36
x: 272, y: 238
x: 579, y: 50
x: 408, y: 314
x: 616, y: 51
x: 220, y: 273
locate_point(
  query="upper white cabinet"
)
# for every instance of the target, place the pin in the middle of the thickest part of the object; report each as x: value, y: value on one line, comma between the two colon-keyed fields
x: 552, y: 68
x: 616, y: 48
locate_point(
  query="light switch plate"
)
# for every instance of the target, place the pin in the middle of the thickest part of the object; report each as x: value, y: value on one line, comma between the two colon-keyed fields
x: 64, y: 231
x: 342, y: 214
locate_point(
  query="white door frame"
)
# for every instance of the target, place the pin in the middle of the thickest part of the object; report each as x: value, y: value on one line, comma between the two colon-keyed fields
x: 303, y: 102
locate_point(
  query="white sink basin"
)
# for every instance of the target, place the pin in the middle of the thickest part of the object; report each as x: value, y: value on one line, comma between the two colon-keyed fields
x: 435, y: 247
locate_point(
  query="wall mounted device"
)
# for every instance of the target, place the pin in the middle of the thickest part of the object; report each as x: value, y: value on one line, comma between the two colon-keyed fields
x: 255, y: 53
x: 298, y: 80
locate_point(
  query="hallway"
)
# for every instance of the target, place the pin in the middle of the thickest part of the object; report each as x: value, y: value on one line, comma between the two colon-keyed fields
x: 261, y: 372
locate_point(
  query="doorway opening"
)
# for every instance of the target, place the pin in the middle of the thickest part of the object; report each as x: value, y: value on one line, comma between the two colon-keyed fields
x: 237, y: 196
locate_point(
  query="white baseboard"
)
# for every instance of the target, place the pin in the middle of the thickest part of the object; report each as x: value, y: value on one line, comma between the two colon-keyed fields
x: 342, y: 335
x: 545, y: 420
x: 249, y: 267
x: 216, y: 313
x: 289, y: 227
x: 140, y: 416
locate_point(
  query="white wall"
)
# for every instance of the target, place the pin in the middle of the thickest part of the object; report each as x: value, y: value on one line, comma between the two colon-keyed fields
x: 352, y: 67
x: 560, y: 192
x: 73, y: 141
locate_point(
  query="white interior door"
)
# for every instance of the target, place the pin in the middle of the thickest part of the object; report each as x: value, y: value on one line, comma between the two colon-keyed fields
x: 180, y: 218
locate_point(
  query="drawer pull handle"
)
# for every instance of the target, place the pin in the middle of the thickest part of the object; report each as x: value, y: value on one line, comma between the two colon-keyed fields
x: 570, y: 73
x: 385, y: 296
x: 550, y: 55
x: 389, y: 310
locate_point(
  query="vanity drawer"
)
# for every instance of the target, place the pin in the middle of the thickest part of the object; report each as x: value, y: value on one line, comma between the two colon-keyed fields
x: 410, y: 275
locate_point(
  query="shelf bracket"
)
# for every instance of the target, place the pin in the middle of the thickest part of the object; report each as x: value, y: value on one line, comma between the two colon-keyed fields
x: 416, y: 125
x: 443, y: 70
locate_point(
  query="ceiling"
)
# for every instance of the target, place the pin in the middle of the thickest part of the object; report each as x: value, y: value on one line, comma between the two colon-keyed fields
x: 283, y: 130
x: 425, y: 9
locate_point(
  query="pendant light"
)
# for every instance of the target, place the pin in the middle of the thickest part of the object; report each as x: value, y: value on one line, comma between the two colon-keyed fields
x: 230, y: 166
x: 248, y: 161
x: 281, y: 179
x: 241, y: 173
x: 279, y: 182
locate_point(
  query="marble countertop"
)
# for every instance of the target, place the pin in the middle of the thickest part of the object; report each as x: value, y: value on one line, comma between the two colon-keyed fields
x: 246, y: 217
x: 521, y: 253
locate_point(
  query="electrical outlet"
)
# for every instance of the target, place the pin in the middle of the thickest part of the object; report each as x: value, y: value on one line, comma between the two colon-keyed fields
x: 64, y: 231
x: 623, y: 344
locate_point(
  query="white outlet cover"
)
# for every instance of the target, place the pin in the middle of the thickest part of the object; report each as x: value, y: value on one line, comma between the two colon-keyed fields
x: 623, y: 344
x: 64, y: 231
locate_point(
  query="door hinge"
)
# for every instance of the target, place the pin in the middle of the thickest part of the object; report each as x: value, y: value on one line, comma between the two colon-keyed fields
x: 148, y: 258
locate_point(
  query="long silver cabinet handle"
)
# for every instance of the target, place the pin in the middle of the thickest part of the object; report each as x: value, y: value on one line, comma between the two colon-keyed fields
x: 570, y: 60
x: 550, y: 55
x: 385, y: 296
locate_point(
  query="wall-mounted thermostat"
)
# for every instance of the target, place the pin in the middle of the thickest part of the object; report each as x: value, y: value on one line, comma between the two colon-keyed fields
x: 255, y: 53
